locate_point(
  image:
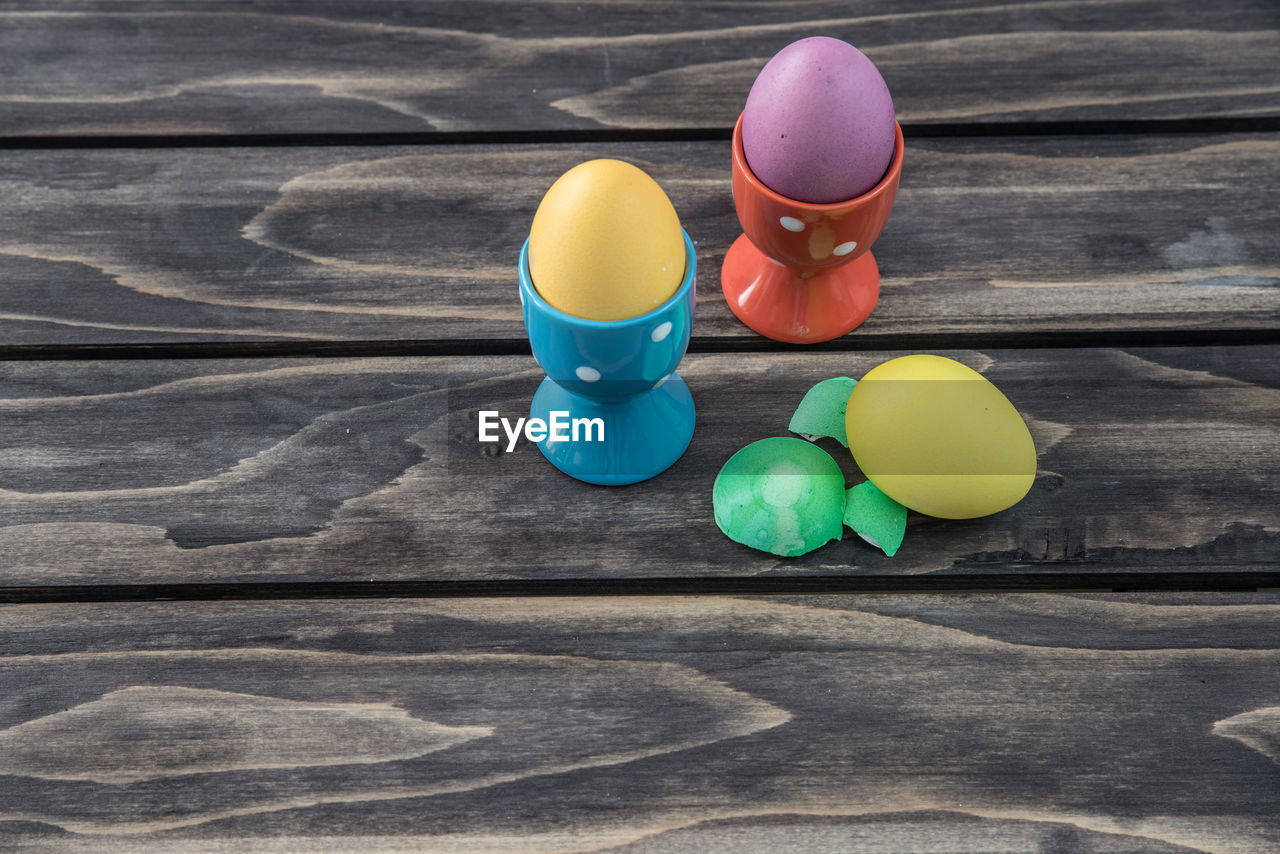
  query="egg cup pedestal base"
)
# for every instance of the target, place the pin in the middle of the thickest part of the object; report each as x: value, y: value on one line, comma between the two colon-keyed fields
x: 643, y: 435
x: 798, y: 306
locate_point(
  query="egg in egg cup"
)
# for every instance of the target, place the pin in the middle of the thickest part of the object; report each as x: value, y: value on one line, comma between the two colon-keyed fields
x: 803, y: 272
x: 619, y: 371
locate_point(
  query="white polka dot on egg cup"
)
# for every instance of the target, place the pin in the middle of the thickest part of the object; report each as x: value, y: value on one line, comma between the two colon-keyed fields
x: 619, y: 372
x: 804, y: 272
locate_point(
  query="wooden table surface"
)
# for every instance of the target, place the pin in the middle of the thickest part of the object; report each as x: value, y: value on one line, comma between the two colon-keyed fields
x: 262, y: 589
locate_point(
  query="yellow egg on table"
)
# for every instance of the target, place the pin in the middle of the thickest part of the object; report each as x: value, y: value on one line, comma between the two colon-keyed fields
x: 939, y: 438
x: 606, y: 243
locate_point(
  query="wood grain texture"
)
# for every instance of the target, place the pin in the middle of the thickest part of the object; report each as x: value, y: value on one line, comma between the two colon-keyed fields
x: 791, y: 724
x: 282, y: 67
x: 1026, y: 235
x: 350, y: 470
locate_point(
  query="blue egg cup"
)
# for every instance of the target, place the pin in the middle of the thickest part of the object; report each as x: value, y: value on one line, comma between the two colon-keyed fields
x: 620, y: 371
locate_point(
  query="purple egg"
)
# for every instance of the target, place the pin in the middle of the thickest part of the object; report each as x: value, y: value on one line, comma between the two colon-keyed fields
x: 818, y: 126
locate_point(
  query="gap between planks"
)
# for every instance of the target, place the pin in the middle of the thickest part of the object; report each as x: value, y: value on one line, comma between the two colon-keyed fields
x: 911, y: 130
x: 1177, y: 582
x: 1036, y: 340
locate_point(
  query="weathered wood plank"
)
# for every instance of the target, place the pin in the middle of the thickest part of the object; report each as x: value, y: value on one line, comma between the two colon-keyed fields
x: 644, y: 725
x: 280, y: 67
x: 988, y: 236
x: 350, y: 470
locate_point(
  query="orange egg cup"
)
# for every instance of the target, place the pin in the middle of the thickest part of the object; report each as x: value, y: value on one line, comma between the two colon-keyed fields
x: 802, y: 272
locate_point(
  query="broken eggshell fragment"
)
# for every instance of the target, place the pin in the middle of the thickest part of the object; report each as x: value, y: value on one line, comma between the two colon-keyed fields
x: 780, y: 495
x: 875, y: 517
x: 821, y: 412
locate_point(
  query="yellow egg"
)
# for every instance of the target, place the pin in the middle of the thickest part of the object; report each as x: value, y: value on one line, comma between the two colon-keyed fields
x: 606, y: 243
x: 939, y: 438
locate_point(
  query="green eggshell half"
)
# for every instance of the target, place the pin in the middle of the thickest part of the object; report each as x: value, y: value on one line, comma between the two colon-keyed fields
x: 783, y: 496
